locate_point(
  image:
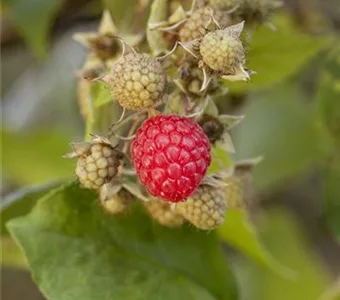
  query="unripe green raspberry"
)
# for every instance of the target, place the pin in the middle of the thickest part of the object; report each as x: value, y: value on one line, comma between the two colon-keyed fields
x: 98, y: 162
x: 222, y: 52
x: 136, y: 81
x: 205, y: 209
x: 99, y: 166
x: 162, y: 212
x: 196, y: 25
x: 115, y: 202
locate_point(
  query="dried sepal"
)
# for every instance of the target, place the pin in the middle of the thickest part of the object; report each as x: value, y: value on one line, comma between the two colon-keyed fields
x: 135, y: 190
x: 229, y: 121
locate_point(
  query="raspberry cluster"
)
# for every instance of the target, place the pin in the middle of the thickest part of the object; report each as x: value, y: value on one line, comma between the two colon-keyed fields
x: 166, y: 152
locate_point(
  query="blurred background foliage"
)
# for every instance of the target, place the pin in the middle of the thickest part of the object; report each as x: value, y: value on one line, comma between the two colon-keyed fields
x: 288, y: 245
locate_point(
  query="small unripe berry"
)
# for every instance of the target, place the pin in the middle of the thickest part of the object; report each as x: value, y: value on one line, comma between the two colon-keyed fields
x: 196, y: 25
x: 205, y: 209
x: 222, y: 52
x: 136, y: 81
x: 163, y: 213
x: 115, y: 202
x: 98, y: 162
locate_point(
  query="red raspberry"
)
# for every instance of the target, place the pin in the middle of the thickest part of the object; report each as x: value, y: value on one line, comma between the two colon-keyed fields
x: 171, y: 155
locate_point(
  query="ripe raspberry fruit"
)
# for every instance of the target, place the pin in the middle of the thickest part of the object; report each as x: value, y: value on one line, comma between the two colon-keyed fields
x: 205, y: 209
x: 171, y: 155
x: 223, y: 52
x: 98, y: 162
x: 136, y: 81
x: 196, y: 25
x: 161, y: 211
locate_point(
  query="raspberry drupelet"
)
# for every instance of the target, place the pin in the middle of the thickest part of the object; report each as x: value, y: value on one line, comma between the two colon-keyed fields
x: 171, y: 155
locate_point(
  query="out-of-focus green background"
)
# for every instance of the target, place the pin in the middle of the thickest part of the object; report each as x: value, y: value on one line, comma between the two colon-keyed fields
x: 292, y: 109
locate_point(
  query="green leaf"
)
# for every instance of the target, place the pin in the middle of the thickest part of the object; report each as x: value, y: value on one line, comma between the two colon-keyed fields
x: 221, y: 160
x: 21, y: 201
x: 238, y: 231
x: 100, y: 93
x: 78, y: 252
x: 14, y: 205
x: 276, y: 54
x: 29, y: 158
x: 33, y: 19
x: 155, y: 38
x: 282, y: 129
x: 123, y: 12
x: 283, y: 237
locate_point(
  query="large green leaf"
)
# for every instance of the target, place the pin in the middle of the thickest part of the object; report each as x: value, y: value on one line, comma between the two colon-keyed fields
x: 282, y: 129
x: 17, y: 204
x: 21, y: 201
x: 276, y: 54
x: 35, y: 157
x: 238, y: 231
x: 33, y: 19
x: 283, y: 237
x: 78, y: 252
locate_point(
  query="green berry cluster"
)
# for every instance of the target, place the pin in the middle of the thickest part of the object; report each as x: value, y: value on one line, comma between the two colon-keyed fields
x: 207, y: 45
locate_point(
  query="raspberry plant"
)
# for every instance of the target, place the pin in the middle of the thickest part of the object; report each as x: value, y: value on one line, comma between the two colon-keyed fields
x: 157, y: 183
